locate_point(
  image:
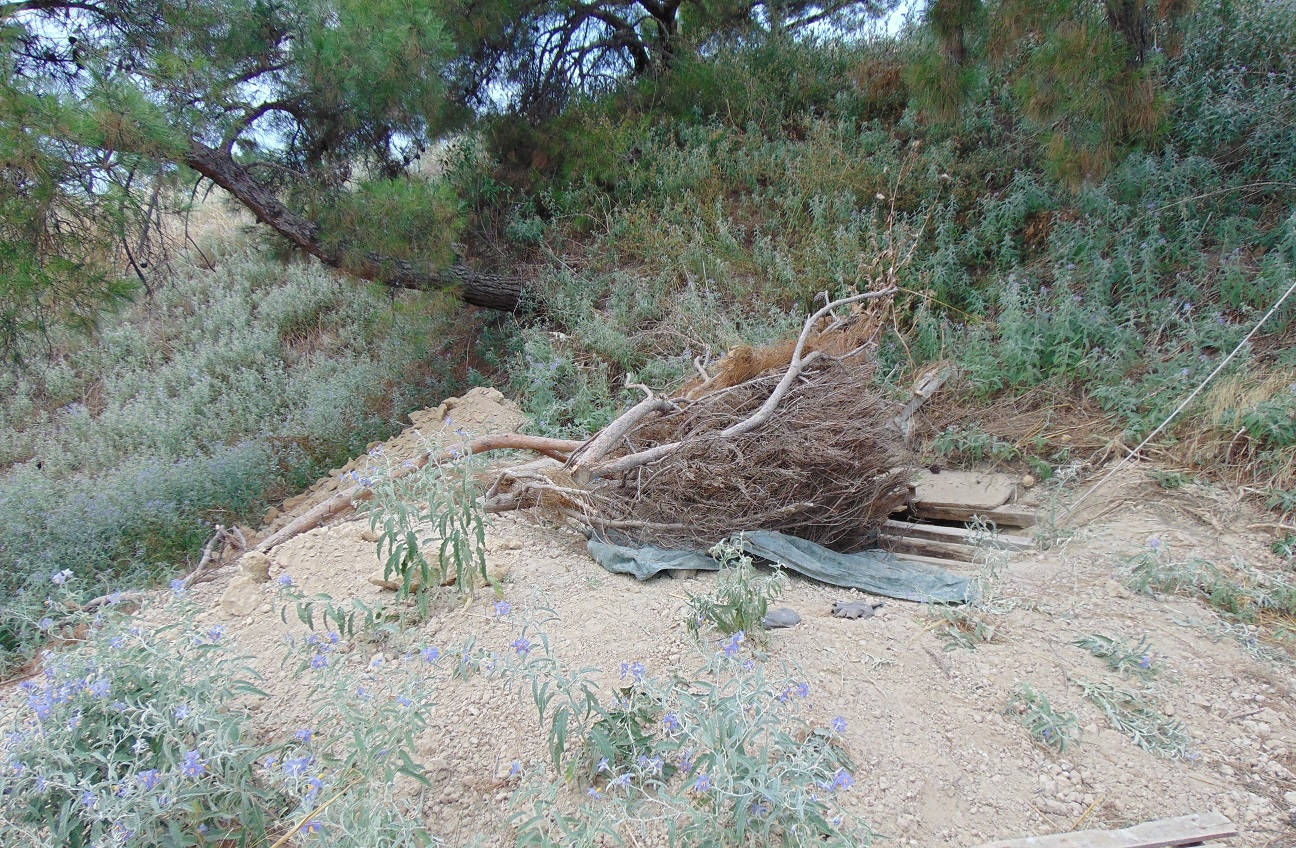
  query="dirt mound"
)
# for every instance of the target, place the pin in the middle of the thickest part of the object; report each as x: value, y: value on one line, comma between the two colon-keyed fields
x: 939, y: 763
x: 478, y: 412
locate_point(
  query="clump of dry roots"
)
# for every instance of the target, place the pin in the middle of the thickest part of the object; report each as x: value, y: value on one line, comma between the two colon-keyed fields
x: 792, y: 438
x: 822, y: 468
x: 808, y: 448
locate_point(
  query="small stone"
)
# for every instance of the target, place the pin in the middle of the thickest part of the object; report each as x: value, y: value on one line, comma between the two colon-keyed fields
x: 382, y: 582
x: 369, y: 535
x: 1116, y: 590
x: 242, y: 596
x: 508, y: 543
x: 781, y: 618
x: 497, y: 571
x: 682, y: 573
x: 256, y: 566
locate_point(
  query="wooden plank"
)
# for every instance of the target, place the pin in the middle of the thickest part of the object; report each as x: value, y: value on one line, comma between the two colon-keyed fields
x: 927, y: 547
x: 951, y: 564
x: 956, y: 535
x: 1163, y: 833
x: 1004, y: 516
x: 969, y: 489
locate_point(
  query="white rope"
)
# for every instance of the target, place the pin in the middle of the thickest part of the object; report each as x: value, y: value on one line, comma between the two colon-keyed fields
x: 1218, y: 368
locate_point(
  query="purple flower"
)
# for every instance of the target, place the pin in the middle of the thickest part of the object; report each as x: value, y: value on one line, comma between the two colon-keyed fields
x: 88, y: 799
x: 502, y: 608
x: 285, y: 580
x: 404, y: 701
x: 620, y: 781
x: 702, y: 784
x: 1146, y: 661
x: 46, y: 623
x: 802, y: 690
x: 842, y: 780
x: 216, y: 633
x: 296, y: 767
x: 522, y: 646
x: 839, y: 725
x: 671, y: 721
x: 734, y: 645
x: 515, y: 769
x: 320, y: 661
x: 304, y: 735
x: 182, y: 712
x: 194, y: 765
x: 431, y: 654
x: 60, y: 577
x: 178, y: 587
x: 594, y: 793
x: 100, y: 688
x: 603, y: 765
x: 149, y: 779
x: 313, y: 827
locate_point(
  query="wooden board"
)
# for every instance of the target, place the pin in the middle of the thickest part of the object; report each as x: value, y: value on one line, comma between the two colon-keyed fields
x: 956, y: 535
x: 927, y: 547
x: 1163, y: 833
x: 965, y: 489
x: 951, y: 564
x: 1004, y: 516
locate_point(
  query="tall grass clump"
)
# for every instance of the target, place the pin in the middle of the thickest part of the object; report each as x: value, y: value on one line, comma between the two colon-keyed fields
x: 217, y: 394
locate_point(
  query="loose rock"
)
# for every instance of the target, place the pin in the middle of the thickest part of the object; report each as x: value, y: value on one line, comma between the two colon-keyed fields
x: 242, y: 597
x: 781, y: 618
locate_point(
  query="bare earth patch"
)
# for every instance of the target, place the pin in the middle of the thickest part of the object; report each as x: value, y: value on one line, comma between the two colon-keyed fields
x: 938, y: 761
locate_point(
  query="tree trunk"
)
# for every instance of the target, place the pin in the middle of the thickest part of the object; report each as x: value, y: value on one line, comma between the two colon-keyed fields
x: 1130, y: 19
x: 492, y: 291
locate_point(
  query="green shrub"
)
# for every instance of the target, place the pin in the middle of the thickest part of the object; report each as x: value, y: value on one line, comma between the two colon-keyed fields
x: 135, y: 739
x: 223, y: 391
x: 1047, y: 727
x: 725, y: 756
x: 741, y: 597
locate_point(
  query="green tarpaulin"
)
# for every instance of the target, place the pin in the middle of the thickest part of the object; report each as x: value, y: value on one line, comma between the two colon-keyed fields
x: 876, y: 572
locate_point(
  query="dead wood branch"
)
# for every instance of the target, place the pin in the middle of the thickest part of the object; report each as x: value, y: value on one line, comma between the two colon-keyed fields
x: 559, y: 449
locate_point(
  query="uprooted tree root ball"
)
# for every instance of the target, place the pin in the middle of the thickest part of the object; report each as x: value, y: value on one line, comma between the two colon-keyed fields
x: 822, y: 468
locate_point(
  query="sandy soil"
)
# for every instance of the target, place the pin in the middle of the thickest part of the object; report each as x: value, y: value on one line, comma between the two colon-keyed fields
x: 939, y: 762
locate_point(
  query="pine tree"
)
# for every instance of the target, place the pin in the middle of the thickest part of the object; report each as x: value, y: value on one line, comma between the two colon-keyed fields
x: 1084, y: 74
x: 305, y: 111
